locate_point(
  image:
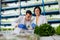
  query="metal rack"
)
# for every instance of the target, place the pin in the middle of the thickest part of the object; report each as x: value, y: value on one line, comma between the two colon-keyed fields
x: 52, y: 3
x: 5, y: 9
x: 0, y: 12
x: 51, y: 22
x: 6, y: 17
x: 10, y: 1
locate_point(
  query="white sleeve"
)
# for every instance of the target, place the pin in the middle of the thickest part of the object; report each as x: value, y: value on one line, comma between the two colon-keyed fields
x: 45, y: 19
x: 17, y: 21
x: 33, y: 19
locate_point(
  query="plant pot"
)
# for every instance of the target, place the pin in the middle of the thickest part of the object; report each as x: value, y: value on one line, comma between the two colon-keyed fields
x: 46, y: 38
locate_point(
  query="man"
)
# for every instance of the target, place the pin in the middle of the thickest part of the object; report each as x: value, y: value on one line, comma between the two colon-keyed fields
x: 25, y: 20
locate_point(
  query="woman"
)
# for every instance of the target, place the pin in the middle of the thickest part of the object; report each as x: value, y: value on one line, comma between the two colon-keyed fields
x: 39, y: 19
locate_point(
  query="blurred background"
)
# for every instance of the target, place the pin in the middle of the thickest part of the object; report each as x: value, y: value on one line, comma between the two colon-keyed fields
x: 11, y: 9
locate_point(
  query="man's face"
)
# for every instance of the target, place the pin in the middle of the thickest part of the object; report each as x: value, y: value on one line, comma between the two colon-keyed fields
x: 37, y: 12
x: 28, y: 17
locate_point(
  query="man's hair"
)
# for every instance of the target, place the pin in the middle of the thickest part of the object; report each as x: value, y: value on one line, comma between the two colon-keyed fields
x: 28, y: 12
x: 38, y: 8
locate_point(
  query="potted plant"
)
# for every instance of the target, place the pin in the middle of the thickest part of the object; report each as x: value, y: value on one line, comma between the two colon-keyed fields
x: 45, y: 31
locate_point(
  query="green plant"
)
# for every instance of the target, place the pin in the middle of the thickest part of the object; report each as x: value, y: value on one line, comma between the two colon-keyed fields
x: 4, y: 29
x: 9, y: 28
x: 13, y: 28
x: 36, y: 31
x: 45, y: 30
x: 0, y: 29
x: 58, y: 30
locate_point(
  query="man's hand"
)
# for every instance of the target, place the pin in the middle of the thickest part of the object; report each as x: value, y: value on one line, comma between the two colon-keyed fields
x: 16, y: 25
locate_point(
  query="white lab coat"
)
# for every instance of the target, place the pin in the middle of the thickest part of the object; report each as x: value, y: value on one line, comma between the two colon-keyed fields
x: 21, y: 20
x: 42, y: 19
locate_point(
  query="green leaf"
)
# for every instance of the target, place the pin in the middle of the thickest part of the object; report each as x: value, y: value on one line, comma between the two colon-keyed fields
x: 44, y: 30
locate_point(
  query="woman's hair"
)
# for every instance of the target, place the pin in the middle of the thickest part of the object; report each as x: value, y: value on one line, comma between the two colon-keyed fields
x: 38, y: 8
x: 28, y: 12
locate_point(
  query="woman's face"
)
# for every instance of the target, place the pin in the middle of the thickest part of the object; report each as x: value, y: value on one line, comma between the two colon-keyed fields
x: 37, y: 12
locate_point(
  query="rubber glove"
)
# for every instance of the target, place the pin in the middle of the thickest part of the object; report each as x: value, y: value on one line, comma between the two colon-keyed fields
x: 33, y: 25
x: 22, y: 26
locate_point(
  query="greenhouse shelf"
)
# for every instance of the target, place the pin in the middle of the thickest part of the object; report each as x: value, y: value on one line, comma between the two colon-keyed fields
x: 5, y: 17
x: 47, y: 13
x: 11, y: 1
x: 5, y: 24
x: 50, y: 22
x: 31, y: 6
x: 51, y: 13
x: 51, y: 3
x: 4, y: 9
x: 54, y: 21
